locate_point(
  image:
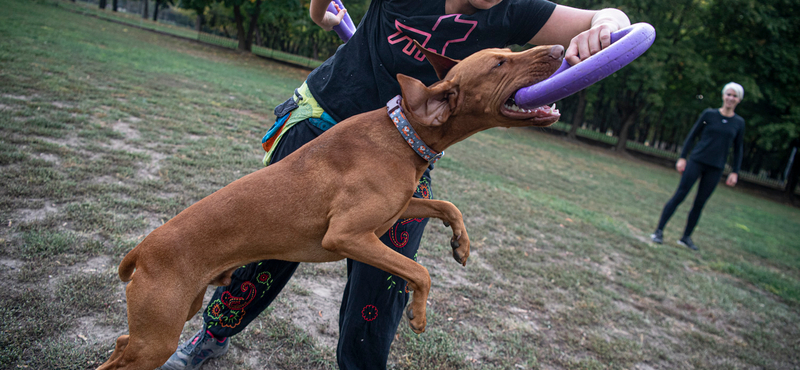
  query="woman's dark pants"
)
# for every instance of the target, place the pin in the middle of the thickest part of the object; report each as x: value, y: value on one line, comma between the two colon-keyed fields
x: 709, y: 177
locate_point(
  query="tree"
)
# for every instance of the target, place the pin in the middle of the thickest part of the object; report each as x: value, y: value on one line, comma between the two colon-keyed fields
x: 577, y: 118
x: 245, y: 11
x: 199, y: 7
x: 160, y: 4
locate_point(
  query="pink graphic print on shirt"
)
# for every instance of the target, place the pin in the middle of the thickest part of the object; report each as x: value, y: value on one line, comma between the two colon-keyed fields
x: 451, y: 21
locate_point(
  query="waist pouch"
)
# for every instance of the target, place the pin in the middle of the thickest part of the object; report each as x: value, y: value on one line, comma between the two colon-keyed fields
x: 301, y: 106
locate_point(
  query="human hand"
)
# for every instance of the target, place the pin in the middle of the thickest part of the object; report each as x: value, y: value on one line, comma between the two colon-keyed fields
x: 680, y: 165
x: 733, y: 178
x: 590, y: 42
x: 331, y: 20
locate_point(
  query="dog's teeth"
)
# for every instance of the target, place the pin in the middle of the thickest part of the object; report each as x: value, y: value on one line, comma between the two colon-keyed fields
x: 544, y: 109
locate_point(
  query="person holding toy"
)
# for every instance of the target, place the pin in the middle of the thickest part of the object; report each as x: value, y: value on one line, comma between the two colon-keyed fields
x: 358, y: 78
x: 717, y: 130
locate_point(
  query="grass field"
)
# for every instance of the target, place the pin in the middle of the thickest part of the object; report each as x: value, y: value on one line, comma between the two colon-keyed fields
x: 107, y: 131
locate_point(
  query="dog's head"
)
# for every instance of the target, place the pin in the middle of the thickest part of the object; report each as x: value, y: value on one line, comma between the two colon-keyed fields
x: 480, y: 89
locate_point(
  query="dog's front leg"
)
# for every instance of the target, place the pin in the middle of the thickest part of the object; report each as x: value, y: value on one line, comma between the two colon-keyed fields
x: 447, y: 212
x: 365, y: 247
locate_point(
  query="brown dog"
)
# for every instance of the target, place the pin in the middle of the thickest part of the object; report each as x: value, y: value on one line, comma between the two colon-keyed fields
x: 329, y: 200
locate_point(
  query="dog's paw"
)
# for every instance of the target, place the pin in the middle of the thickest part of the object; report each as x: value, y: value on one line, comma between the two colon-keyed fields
x: 418, y: 324
x: 460, y: 250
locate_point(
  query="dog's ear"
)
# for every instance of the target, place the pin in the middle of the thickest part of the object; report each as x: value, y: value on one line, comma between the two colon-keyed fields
x: 430, y: 106
x: 440, y: 63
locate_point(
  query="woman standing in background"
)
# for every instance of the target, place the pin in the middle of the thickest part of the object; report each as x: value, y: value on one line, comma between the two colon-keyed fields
x: 718, y: 130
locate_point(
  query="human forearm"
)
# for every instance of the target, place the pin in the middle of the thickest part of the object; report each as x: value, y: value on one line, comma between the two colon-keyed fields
x: 318, y: 11
x: 613, y: 17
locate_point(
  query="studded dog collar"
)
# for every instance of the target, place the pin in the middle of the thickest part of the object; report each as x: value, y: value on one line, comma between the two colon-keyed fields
x: 409, y: 134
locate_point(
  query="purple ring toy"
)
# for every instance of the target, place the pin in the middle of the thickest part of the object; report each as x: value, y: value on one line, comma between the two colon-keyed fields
x: 346, y: 28
x: 626, y: 45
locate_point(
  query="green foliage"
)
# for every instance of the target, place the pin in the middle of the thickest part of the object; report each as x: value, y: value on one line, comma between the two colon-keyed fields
x: 700, y: 46
x: 282, y: 24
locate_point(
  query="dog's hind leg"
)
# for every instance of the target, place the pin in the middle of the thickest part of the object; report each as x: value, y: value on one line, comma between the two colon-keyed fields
x: 197, y: 304
x: 156, y: 316
x: 121, y: 343
x: 223, y: 279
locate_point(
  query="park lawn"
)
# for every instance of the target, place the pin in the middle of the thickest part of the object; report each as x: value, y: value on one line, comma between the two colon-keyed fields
x: 107, y: 131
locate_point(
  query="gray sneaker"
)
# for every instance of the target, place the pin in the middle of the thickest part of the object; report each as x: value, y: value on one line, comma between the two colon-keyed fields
x: 194, y: 352
x: 687, y: 242
x: 657, y: 237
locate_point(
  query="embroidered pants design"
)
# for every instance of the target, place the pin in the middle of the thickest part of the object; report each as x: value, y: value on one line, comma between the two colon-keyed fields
x: 373, y: 302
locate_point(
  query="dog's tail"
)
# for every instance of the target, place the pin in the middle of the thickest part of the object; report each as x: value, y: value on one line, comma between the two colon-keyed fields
x: 127, y: 265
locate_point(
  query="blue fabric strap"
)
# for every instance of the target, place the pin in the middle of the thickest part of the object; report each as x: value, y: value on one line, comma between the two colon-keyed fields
x: 324, y: 122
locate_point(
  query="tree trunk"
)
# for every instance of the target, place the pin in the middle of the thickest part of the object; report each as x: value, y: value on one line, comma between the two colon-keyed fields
x: 623, y: 131
x: 145, y: 11
x: 102, y: 4
x: 246, y: 37
x: 156, y: 5
x: 642, y: 130
x: 259, y: 39
x: 252, y: 26
x: 660, y: 138
x: 240, y: 35
x: 198, y: 25
x: 793, y: 177
x: 577, y: 119
x: 114, y: 5
x: 658, y: 130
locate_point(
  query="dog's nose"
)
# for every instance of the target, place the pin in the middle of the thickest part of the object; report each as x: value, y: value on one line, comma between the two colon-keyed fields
x: 557, y: 52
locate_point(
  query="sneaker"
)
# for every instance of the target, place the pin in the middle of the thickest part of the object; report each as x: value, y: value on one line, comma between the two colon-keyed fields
x: 194, y: 352
x: 687, y: 242
x: 657, y: 237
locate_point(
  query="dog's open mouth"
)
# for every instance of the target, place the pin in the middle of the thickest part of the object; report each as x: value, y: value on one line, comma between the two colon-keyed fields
x: 512, y: 110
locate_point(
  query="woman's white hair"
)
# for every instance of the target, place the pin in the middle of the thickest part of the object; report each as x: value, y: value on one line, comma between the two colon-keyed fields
x: 738, y: 89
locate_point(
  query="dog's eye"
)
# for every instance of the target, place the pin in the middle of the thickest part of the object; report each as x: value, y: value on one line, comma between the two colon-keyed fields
x: 499, y: 63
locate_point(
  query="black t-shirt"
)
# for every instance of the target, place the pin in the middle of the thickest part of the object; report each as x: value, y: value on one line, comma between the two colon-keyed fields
x: 361, y: 75
x: 717, y: 134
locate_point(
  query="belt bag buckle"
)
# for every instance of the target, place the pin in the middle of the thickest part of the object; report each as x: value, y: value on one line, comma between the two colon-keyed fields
x: 284, y: 108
